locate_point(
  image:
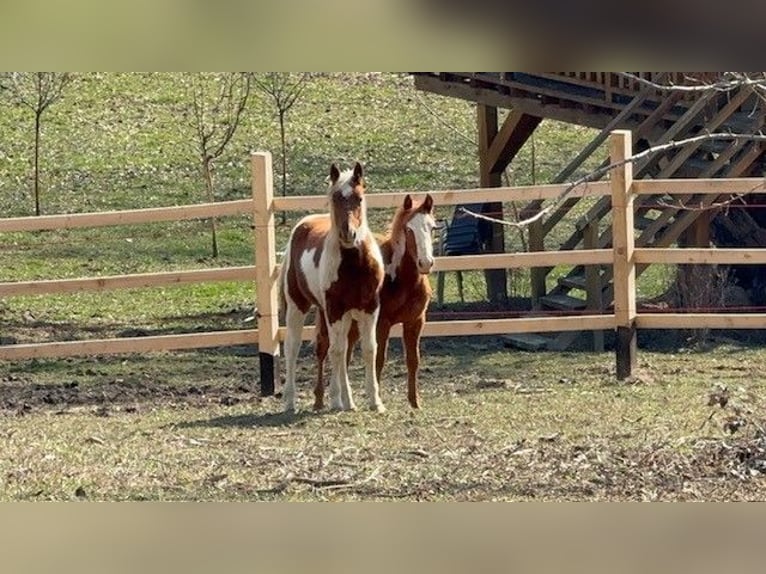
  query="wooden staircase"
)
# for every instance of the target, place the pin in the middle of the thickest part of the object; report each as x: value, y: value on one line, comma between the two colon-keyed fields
x: 608, y: 101
x: 657, y: 223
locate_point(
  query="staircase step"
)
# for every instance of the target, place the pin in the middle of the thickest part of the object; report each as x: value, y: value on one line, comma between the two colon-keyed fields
x: 740, y: 122
x: 563, y: 302
x: 642, y: 222
x: 715, y: 146
x: 527, y: 341
x: 573, y: 281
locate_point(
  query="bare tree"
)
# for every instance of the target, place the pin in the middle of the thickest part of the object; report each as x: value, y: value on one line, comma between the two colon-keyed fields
x: 218, y: 101
x: 36, y: 91
x: 284, y: 89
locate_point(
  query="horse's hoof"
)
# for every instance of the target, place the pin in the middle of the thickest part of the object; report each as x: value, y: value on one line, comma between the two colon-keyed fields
x: 378, y: 408
x: 350, y: 407
x: 289, y: 410
x: 318, y: 406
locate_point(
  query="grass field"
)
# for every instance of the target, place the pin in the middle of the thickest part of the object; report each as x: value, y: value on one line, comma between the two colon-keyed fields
x: 497, y: 423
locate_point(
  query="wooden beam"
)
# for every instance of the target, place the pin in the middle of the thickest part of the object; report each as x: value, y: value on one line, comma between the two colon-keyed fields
x: 523, y: 260
x: 711, y: 125
x: 620, y: 147
x: 694, y: 256
x: 701, y: 321
x: 528, y: 105
x: 471, y: 327
x: 135, y: 281
x: 452, y: 197
x: 516, y: 130
x: 486, y: 118
x: 716, y: 186
x: 679, y: 127
x: 127, y: 217
x: 150, y: 344
x: 266, y: 270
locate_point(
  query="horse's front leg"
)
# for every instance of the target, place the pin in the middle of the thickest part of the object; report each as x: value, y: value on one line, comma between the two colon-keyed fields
x: 367, y: 327
x: 411, y: 335
x: 340, y: 388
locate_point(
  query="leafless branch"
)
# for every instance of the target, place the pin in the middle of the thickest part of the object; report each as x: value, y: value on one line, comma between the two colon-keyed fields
x: 730, y: 81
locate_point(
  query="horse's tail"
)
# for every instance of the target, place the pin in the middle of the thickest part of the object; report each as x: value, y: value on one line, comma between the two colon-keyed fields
x: 282, y: 286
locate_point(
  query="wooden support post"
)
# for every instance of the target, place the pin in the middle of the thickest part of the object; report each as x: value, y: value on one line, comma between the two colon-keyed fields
x: 537, y: 274
x: 623, y: 241
x: 497, y: 289
x: 593, y: 282
x: 266, y: 275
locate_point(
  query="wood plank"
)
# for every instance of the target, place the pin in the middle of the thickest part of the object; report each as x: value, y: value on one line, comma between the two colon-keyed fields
x: 390, y: 200
x: 526, y: 103
x: 134, y: 281
x: 623, y: 230
x: 711, y: 125
x: 267, y: 274
x: 715, y: 186
x: 701, y: 321
x: 127, y: 217
x: 150, y: 344
x: 679, y: 127
x: 703, y: 255
x: 495, y: 279
x: 506, y: 143
x: 523, y: 260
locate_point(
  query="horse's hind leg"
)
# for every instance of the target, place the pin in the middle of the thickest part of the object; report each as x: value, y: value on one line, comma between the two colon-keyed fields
x: 369, y: 353
x: 322, y: 345
x: 294, y: 318
x: 411, y: 335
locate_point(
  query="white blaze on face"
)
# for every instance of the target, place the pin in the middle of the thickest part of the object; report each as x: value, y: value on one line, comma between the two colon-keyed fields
x: 422, y: 225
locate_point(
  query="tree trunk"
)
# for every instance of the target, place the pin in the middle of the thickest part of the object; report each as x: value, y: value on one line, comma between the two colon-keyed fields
x: 36, y: 169
x: 284, y: 159
x: 207, y: 170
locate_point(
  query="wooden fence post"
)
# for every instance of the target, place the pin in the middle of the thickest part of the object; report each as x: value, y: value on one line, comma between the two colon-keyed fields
x: 623, y: 241
x: 266, y: 275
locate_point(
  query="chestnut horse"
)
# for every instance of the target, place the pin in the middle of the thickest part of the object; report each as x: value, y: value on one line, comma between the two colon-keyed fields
x: 332, y: 262
x: 408, y: 255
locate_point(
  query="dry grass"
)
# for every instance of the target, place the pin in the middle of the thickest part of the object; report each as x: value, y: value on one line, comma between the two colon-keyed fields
x: 497, y: 425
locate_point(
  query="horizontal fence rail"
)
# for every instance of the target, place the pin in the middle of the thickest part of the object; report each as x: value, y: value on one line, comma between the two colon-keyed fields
x: 624, y: 317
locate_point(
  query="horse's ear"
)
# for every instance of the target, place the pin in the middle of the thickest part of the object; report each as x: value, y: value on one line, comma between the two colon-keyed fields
x: 334, y: 174
x: 407, y: 202
x: 358, y: 173
x: 428, y: 204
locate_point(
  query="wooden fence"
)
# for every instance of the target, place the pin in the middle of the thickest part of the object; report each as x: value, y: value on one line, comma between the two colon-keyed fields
x: 263, y: 206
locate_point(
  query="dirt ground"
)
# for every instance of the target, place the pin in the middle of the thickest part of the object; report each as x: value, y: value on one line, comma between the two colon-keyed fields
x: 497, y: 424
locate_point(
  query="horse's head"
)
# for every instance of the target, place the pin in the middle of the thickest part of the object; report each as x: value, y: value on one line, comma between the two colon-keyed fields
x: 419, y: 226
x: 347, y: 205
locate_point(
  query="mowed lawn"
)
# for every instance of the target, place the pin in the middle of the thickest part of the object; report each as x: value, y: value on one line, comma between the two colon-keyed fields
x: 497, y: 423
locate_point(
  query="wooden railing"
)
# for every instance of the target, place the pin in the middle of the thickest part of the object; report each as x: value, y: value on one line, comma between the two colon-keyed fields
x: 624, y: 257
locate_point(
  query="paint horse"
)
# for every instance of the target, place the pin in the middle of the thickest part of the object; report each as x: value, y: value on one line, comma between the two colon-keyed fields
x: 333, y: 263
x: 408, y: 255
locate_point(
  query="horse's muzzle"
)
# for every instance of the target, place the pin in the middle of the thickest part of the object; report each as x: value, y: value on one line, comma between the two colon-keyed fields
x: 425, y: 266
